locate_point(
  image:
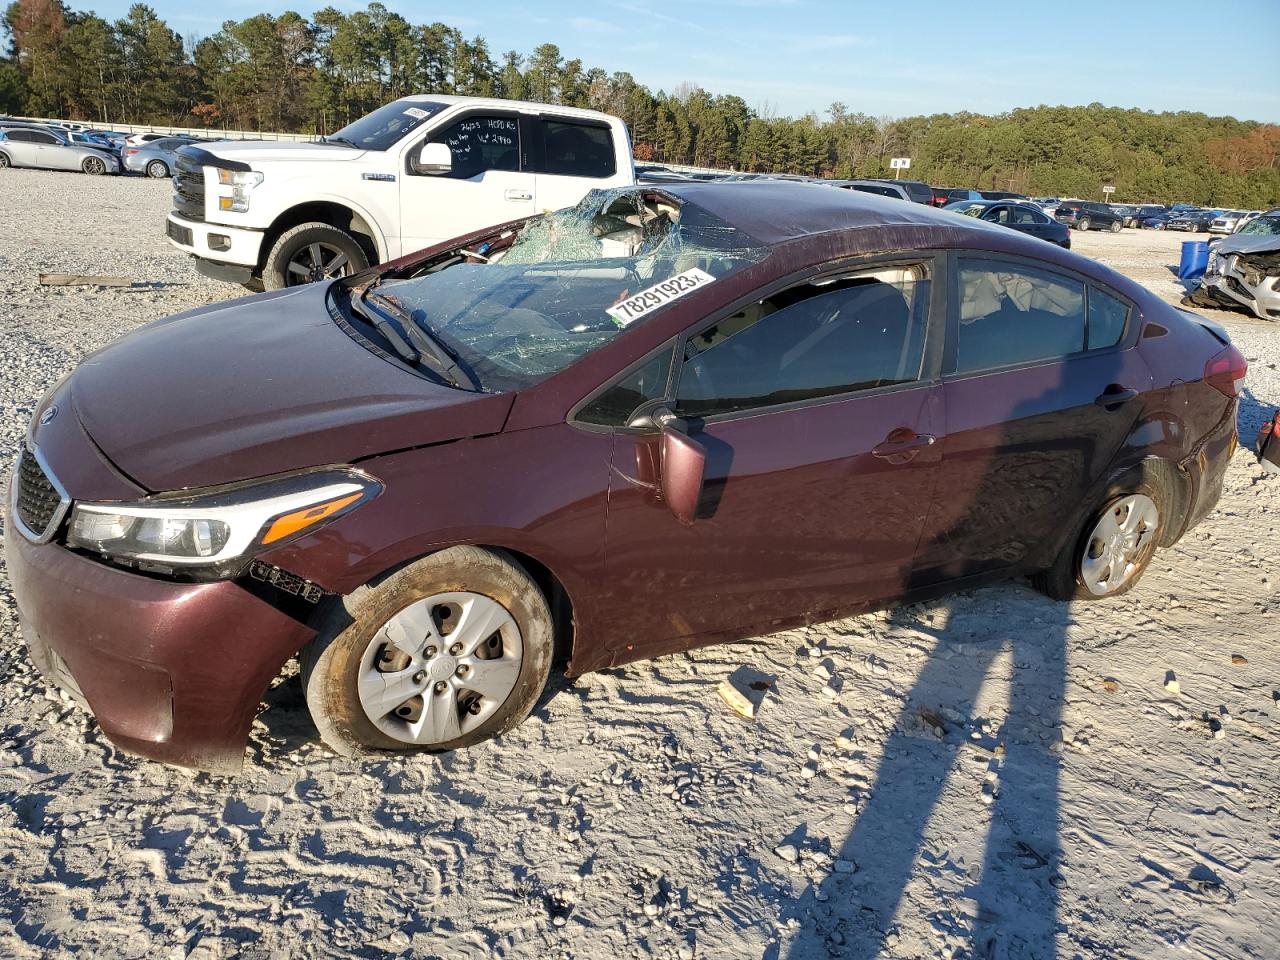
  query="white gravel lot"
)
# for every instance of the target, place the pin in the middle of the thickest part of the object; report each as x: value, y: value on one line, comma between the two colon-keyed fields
x: 1066, y: 805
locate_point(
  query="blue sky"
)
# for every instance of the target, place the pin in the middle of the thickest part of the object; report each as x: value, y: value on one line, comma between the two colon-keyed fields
x: 880, y: 58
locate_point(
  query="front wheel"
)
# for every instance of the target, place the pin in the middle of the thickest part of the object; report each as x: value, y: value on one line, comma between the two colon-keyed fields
x: 4, y: 160
x: 1082, y: 224
x: 157, y: 170
x: 1113, y: 548
x: 450, y: 650
x: 310, y: 252
x: 1115, y: 227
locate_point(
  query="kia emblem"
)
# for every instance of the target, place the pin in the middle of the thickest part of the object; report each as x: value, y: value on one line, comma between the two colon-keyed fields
x: 48, y: 415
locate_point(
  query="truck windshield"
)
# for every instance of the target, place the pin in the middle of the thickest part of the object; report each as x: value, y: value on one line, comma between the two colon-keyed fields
x: 526, y: 305
x: 387, y: 125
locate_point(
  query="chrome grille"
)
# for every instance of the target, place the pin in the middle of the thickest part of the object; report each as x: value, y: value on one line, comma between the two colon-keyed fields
x: 38, y: 502
x: 188, y: 188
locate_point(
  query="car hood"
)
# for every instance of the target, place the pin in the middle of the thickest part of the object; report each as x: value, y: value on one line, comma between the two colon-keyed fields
x: 1260, y: 243
x: 260, y: 386
x: 255, y: 151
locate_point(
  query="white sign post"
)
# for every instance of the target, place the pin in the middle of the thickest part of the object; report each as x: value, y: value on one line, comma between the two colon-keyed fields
x: 1107, y: 190
x: 898, y: 164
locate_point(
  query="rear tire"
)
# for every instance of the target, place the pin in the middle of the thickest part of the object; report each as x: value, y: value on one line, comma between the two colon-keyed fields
x: 1066, y: 579
x: 373, y: 639
x: 1082, y: 224
x: 158, y: 170
x: 309, y: 252
x: 93, y: 166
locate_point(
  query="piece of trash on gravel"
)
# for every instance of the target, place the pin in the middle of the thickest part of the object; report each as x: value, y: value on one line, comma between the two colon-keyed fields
x: 1171, y: 683
x: 1239, y: 659
x: 744, y: 691
x: 1110, y: 685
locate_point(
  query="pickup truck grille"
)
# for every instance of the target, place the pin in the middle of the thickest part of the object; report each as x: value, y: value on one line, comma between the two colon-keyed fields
x: 188, y: 189
x: 38, y: 505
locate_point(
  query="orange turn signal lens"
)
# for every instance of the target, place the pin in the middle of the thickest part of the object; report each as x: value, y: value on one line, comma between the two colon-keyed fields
x: 291, y: 523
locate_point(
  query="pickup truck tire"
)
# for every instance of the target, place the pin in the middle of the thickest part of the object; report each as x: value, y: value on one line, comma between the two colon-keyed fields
x: 309, y: 252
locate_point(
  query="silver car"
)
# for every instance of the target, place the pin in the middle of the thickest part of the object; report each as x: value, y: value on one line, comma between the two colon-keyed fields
x: 156, y: 158
x: 51, y: 150
x: 1233, y: 220
x: 1244, y: 270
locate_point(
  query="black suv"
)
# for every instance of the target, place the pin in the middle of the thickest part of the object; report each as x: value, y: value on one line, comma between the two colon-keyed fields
x: 1085, y: 215
x: 918, y: 191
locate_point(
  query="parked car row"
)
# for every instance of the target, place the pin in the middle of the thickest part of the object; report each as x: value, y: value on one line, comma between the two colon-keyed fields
x: 65, y: 146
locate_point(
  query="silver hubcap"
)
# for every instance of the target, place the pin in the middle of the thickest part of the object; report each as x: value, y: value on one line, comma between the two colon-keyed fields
x: 440, y: 667
x: 317, y: 261
x: 1118, y: 544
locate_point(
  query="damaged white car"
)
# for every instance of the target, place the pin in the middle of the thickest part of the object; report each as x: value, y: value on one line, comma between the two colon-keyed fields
x: 1244, y: 270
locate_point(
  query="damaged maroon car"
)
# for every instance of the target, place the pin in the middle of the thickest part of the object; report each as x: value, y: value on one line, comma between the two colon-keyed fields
x: 667, y: 417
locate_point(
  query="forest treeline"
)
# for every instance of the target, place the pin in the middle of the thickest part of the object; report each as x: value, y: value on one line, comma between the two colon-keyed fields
x: 291, y: 73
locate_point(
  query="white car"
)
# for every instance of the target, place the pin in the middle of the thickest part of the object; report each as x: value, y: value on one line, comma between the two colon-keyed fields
x: 1233, y: 220
x: 137, y: 139
x: 412, y: 173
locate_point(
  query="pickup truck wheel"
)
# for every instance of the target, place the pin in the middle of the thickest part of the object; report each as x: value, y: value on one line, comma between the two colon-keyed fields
x: 448, y: 651
x: 310, y: 252
x: 157, y: 170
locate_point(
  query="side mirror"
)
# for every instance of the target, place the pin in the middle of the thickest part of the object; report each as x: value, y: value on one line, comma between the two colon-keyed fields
x: 684, y: 463
x: 433, y: 159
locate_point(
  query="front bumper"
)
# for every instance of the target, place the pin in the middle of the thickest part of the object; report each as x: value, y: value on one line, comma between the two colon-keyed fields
x: 240, y: 246
x: 1225, y: 282
x: 172, y: 671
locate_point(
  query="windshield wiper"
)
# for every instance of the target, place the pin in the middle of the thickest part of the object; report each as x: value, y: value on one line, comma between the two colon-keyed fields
x: 342, y: 140
x: 398, y: 343
x: 441, y: 358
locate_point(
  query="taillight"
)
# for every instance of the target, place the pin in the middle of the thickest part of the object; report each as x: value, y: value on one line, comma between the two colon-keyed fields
x: 1226, y: 372
x: 130, y: 151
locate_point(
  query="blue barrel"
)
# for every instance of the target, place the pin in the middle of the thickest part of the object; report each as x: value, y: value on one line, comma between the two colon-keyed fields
x: 1195, y: 257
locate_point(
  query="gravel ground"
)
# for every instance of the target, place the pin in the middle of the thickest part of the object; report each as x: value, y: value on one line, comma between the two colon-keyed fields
x: 989, y: 775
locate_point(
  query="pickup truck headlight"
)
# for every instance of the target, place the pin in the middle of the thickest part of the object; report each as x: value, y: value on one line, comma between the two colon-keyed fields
x: 212, y: 534
x: 240, y: 184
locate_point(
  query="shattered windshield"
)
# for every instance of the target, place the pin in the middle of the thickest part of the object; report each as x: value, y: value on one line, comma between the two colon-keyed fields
x: 527, y: 305
x: 1260, y: 227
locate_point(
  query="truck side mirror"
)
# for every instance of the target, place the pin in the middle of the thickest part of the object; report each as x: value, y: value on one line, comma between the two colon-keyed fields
x: 433, y: 160
x: 684, y: 463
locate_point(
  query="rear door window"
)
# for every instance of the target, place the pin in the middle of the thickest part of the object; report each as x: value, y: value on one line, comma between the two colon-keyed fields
x: 1013, y: 313
x: 859, y: 332
x: 1024, y: 215
x: 577, y: 149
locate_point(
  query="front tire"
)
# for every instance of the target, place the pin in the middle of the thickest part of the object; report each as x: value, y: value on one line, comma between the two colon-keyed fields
x: 310, y: 252
x: 448, y: 651
x: 1112, y: 548
x: 4, y: 161
x: 158, y: 170
x: 1115, y: 226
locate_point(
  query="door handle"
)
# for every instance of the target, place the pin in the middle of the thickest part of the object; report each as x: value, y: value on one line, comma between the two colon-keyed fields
x: 1115, y: 396
x: 519, y: 195
x: 902, y: 445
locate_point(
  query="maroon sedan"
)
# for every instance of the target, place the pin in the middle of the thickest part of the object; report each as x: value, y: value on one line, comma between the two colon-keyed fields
x: 664, y: 418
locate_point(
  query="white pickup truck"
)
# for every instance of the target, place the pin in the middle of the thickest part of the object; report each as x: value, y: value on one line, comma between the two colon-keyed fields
x: 412, y: 173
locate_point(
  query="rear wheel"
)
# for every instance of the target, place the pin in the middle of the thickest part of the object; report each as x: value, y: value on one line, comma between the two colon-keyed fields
x: 157, y: 170
x: 1112, y: 547
x: 449, y: 651
x: 1082, y: 224
x: 93, y: 166
x: 310, y: 252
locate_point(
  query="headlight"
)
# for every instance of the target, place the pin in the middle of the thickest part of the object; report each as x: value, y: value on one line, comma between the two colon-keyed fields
x: 212, y: 534
x: 241, y: 184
